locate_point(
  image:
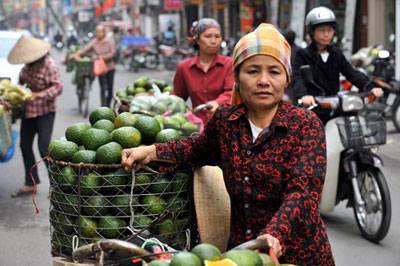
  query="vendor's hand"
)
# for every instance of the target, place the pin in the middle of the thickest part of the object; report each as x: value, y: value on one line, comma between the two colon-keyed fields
x: 35, y: 95
x: 378, y: 92
x: 308, y: 100
x: 214, y: 105
x: 273, y: 243
x: 134, y: 157
x: 73, y: 56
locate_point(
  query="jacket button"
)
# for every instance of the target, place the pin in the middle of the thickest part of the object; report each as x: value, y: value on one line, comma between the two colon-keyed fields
x: 246, y: 178
x: 248, y: 231
x: 248, y: 152
x: 246, y: 206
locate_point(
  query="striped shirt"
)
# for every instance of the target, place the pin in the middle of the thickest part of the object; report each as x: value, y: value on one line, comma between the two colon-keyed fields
x: 44, y: 78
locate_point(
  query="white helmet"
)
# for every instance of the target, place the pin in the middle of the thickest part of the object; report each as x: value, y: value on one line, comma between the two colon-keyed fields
x: 320, y: 15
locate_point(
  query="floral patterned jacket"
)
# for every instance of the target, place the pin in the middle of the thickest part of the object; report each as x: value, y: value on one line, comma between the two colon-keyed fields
x: 274, y: 184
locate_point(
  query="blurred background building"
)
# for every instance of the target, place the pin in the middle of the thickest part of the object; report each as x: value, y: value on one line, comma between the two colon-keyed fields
x: 360, y: 22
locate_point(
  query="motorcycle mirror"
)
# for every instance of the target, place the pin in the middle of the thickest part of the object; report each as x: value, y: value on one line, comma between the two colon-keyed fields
x: 306, y: 73
x: 383, y: 54
x: 223, y: 44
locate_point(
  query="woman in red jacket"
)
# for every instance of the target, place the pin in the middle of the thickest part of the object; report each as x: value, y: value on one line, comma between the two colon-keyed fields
x: 206, y: 77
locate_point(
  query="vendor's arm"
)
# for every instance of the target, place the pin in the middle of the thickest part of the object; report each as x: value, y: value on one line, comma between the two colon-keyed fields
x: 86, y: 49
x: 180, y: 88
x: 303, y: 182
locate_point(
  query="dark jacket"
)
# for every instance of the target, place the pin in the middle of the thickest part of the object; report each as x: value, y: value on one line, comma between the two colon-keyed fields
x: 325, y: 74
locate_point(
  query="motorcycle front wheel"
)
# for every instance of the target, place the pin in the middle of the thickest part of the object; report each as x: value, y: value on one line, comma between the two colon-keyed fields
x: 373, y: 218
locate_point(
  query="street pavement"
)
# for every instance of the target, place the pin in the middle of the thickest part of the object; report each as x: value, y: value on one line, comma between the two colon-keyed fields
x: 25, y: 236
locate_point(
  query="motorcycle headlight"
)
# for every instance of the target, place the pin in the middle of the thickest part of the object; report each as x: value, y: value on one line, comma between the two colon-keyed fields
x: 352, y: 103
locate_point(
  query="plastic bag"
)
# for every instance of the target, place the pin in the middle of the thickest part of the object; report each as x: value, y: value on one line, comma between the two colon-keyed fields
x: 99, y: 67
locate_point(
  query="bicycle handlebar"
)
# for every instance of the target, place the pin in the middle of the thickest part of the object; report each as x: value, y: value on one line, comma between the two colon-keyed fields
x: 87, y: 251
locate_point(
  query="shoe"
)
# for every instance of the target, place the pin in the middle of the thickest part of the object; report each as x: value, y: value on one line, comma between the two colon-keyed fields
x: 21, y: 192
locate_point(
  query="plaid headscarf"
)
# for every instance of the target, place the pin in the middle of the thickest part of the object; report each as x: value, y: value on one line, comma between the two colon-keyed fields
x: 265, y: 40
x: 198, y: 27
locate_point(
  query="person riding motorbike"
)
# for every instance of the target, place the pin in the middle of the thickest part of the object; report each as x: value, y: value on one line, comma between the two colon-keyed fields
x: 326, y: 62
x: 272, y: 155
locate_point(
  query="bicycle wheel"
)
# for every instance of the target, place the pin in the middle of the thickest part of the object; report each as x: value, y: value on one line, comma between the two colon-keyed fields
x: 396, y: 114
x: 373, y: 218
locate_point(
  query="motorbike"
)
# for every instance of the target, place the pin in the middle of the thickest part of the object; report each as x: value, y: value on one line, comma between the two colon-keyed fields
x: 59, y: 45
x: 378, y: 64
x: 133, y: 58
x: 173, y: 55
x: 353, y: 167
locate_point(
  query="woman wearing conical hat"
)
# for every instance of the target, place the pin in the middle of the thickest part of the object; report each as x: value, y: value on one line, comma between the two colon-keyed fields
x: 42, y: 76
x: 272, y: 155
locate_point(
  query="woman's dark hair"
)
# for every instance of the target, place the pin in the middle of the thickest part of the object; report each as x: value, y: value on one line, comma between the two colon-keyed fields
x: 194, y: 45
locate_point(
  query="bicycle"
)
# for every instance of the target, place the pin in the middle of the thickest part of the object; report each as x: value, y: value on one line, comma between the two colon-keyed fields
x: 83, y: 80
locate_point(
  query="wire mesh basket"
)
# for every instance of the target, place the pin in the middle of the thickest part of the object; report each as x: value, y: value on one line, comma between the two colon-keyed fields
x: 362, y: 131
x: 84, y: 68
x: 88, y: 204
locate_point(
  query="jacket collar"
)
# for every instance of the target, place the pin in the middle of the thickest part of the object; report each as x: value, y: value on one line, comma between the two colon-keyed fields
x: 280, y: 119
x: 195, y: 61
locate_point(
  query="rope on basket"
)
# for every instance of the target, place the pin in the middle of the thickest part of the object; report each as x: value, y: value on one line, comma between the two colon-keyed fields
x: 34, y: 183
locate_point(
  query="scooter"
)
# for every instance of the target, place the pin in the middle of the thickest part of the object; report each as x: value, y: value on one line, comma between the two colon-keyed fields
x: 353, y: 169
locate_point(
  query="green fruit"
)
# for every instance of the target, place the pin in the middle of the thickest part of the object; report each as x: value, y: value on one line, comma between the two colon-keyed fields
x: 142, y: 182
x: 109, y: 153
x: 181, y: 182
x: 159, y: 108
x: 95, y: 205
x: 94, y: 138
x: 148, y: 127
x: 88, y: 226
x: 185, y: 259
x: 111, y: 227
x: 176, y: 203
x: 154, y: 205
x: 90, y: 184
x: 130, y: 90
x: 84, y: 156
x: 140, y: 82
x: 255, y: 258
x: 170, y: 122
x: 206, y: 252
x: 128, y: 137
x: 140, y: 90
x: 266, y: 259
x: 242, y: 258
x: 167, y: 134
x: 166, y: 228
x: 162, y: 84
x: 161, y: 184
x: 125, y: 119
x: 105, y: 124
x: 141, y: 220
x: 168, y: 89
x: 121, y: 203
x: 67, y: 178
x: 53, y: 173
x: 74, y: 133
x: 53, y: 143
x: 63, y: 150
x: 188, y: 128
x: 113, y: 181
x: 70, y: 204
x: 101, y: 113
x: 65, y: 223
x: 122, y: 94
x: 63, y: 244
x: 158, y: 263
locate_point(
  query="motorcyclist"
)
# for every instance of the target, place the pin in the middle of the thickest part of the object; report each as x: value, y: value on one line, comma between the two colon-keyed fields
x: 326, y: 62
x: 169, y: 37
x: 58, y: 37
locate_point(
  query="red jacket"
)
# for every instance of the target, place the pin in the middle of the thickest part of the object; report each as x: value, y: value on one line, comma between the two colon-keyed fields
x: 215, y: 84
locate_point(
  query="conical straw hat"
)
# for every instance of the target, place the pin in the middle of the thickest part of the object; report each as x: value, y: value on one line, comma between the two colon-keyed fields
x: 213, y: 206
x: 28, y: 50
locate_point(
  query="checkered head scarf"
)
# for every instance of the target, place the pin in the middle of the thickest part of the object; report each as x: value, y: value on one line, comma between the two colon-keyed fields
x: 198, y: 27
x: 265, y: 40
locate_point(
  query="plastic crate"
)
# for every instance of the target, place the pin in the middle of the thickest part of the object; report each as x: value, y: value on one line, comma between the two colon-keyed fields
x: 135, y: 40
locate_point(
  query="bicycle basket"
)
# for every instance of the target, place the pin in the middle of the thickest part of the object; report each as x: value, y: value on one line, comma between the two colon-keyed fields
x: 356, y: 132
x: 84, y: 68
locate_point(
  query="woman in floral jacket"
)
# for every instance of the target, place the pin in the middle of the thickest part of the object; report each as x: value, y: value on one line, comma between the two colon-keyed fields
x: 272, y: 154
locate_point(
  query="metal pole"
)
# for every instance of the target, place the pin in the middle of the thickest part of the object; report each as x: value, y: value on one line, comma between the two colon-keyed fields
x: 348, y: 35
